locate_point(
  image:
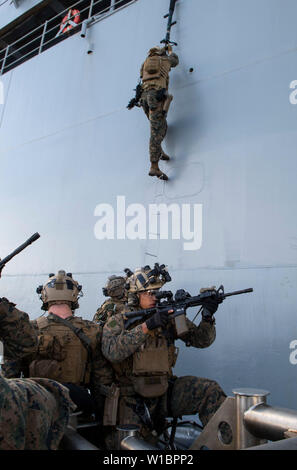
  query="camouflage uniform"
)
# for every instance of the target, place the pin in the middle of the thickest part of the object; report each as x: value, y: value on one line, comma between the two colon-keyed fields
x: 108, y: 308
x: 33, y: 412
x: 185, y: 395
x: 116, y: 291
x: 152, y: 101
x: 19, y: 337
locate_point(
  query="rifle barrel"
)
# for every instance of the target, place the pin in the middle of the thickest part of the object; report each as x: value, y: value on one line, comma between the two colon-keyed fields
x: 30, y: 240
x: 238, y: 292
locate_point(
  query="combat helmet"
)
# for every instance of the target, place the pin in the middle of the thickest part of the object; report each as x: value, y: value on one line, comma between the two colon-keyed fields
x: 156, y: 51
x: 146, y: 279
x: 60, y: 288
x: 115, y: 287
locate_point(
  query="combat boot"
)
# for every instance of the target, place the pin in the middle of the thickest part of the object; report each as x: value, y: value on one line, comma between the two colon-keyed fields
x: 164, y: 156
x: 155, y: 171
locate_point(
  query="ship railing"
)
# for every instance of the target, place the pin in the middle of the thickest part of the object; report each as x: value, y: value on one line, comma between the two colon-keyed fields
x: 51, y: 31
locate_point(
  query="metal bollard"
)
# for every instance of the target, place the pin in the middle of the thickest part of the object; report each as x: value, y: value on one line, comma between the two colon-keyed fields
x: 135, y: 443
x: 128, y: 439
x: 245, y: 398
x: 74, y: 441
x: 270, y: 422
x: 126, y: 430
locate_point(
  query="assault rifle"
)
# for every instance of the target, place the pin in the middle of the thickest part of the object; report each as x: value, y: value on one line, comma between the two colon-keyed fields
x: 177, y: 307
x: 135, y: 101
x: 170, y: 23
x: 30, y: 240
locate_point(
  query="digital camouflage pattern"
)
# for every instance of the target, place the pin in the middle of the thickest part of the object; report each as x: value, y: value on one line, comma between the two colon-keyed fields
x: 186, y: 395
x: 191, y: 395
x: 33, y: 412
x: 153, y: 106
x: 16, y: 331
x: 118, y: 344
x: 18, y: 335
x: 153, y: 109
x: 108, y: 308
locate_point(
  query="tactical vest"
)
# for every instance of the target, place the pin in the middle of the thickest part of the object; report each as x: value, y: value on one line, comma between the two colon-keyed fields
x: 155, y: 72
x: 149, y: 368
x: 108, y: 308
x: 61, y: 354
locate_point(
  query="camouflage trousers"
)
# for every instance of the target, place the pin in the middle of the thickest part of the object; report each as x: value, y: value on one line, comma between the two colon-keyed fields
x: 153, y: 109
x: 33, y: 413
x: 191, y: 395
x: 187, y: 395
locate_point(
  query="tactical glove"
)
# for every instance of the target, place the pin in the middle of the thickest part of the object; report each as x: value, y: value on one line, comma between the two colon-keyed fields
x: 209, y: 307
x: 159, y: 319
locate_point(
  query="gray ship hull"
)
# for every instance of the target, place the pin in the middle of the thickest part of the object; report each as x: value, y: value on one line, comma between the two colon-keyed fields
x: 68, y: 144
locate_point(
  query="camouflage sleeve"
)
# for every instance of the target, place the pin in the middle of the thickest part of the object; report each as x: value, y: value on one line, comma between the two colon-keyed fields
x: 100, y: 314
x: 102, y: 372
x: 103, y: 311
x: 16, y: 332
x: 118, y: 343
x: 34, y: 413
x: 200, y: 336
x: 97, y: 315
x: 173, y: 59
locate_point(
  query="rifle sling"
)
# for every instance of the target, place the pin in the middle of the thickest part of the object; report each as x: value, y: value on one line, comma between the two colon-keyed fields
x: 86, y: 342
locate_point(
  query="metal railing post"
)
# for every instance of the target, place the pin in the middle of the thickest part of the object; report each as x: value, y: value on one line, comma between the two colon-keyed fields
x: 42, y: 38
x: 112, y: 5
x: 4, y: 60
x: 91, y: 9
x: 245, y: 398
x: 270, y: 422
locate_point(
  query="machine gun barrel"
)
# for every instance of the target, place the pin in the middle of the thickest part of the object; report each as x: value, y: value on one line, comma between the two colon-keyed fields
x: 22, y: 247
